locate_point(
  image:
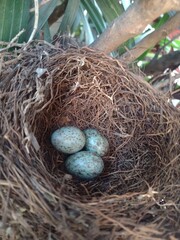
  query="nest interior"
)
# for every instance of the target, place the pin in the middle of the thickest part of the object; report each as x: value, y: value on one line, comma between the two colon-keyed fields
x: 43, y: 88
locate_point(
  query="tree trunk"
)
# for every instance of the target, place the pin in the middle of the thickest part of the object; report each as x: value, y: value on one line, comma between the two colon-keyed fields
x: 132, y: 22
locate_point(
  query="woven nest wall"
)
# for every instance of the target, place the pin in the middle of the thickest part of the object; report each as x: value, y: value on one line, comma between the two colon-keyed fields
x: 136, y: 197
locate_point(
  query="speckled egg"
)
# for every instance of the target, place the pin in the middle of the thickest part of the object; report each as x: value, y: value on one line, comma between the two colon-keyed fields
x: 96, y: 142
x: 85, y: 165
x: 68, y: 139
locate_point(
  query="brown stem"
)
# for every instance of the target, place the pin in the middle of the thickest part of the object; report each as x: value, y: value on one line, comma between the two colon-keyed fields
x: 152, y: 39
x: 132, y: 22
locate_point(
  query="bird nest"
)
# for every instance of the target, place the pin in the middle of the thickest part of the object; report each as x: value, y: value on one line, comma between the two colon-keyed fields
x: 42, y: 88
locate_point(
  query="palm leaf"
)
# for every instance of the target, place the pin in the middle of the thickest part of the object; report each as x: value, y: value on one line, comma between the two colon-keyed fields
x: 69, y: 16
x: 44, y: 13
x: 111, y: 9
x: 14, y: 16
x: 95, y: 15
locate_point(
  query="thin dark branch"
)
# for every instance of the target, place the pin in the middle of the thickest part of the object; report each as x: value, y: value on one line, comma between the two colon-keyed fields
x: 176, y: 94
x: 57, y: 13
x: 168, y: 61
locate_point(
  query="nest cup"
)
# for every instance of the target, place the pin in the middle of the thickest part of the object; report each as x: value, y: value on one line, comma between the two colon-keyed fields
x: 137, y: 195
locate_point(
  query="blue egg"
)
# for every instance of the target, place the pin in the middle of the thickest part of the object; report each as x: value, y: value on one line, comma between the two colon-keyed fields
x: 85, y: 165
x: 68, y: 139
x: 95, y: 142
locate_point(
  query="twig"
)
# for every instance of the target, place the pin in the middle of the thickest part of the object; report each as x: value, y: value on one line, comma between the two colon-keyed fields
x: 40, y: 5
x: 36, y: 19
x: 12, y: 42
x: 1, y: 62
x: 2, y: 43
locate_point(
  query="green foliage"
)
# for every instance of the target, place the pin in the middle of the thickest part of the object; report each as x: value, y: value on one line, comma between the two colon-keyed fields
x: 159, y: 22
x: 110, y: 9
x: 14, y: 16
x: 175, y: 44
x: 69, y: 17
x: 44, y: 13
x: 94, y: 15
x: 46, y: 30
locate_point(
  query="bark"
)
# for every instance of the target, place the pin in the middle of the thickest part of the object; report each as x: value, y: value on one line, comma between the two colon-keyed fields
x: 152, y: 39
x: 171, y: 61
x: 132, y: 22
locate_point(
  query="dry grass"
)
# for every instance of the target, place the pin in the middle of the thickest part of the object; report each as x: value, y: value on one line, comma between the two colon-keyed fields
x: 137, y: 196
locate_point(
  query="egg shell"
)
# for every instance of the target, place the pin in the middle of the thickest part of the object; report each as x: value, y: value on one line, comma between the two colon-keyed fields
x: 85, y: 165
x: 68, y: 139
x: 96, y: 142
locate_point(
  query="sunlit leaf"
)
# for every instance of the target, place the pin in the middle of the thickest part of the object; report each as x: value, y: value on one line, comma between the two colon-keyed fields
x: 175, y: 44
x: 94, y: 15
x: 161, y: 21
x: 86, y: 26
x: 82, y: 28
